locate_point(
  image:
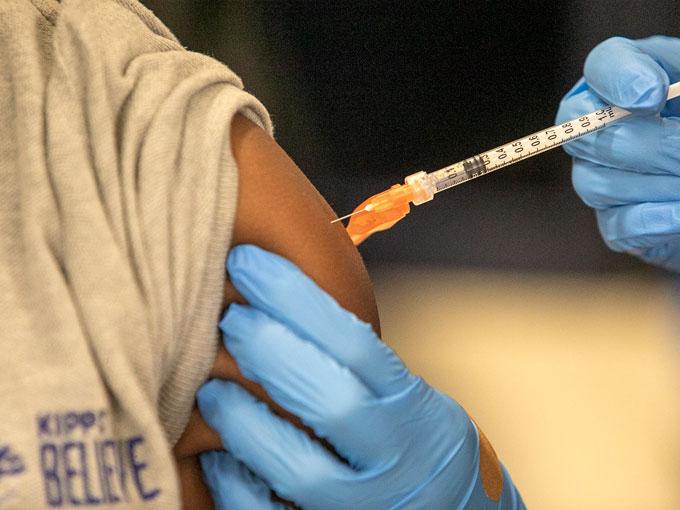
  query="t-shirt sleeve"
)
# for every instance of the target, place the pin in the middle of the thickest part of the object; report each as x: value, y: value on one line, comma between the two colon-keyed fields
x: 117, y: 203
x: 147, y: 124
x: 138, y: 157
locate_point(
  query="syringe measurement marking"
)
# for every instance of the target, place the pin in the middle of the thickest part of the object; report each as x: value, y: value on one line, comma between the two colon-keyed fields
x: 546, y: 147
x: 458, y: 174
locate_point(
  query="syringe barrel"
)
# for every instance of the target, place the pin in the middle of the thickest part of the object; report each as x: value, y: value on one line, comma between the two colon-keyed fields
x: 422, y: 186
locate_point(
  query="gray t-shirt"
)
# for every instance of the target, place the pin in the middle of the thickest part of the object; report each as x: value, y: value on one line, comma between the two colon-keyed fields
x: 117, y: 201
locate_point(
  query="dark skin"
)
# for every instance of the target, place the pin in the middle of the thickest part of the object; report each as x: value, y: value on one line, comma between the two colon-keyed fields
x: 281, y: 211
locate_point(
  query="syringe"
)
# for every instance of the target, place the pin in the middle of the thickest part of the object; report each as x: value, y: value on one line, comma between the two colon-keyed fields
x: 383, y: 210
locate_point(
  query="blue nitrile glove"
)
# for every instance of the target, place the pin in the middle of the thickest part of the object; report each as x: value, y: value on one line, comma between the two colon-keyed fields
x: 233, y: 486
x: 406, y: 444
x: 630, y: 172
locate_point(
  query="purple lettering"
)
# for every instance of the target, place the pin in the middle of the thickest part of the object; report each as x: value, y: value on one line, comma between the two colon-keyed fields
x: 100, y: 421
x: 48, y: 463
x: 87, y: 420
x: 70, y: 422
x: 90, y: 499
x: 70, y: 472
x: 107, y: 470
x: 137, y: 467
x: 123, y: 474
x: 44, y: 424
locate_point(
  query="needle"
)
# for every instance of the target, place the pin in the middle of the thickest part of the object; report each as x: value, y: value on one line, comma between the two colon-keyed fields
x: 367, y: 208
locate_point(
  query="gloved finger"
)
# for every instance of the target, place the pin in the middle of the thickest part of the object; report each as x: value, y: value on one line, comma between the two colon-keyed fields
x: 278, y: 453
x: 664, y: 50
x: 301, y: 379
x: 579, y: 86
x: 276, y: 286
x: 665, y: 255
x: 233, y: 486
x: 635, y: 228
x: 628, y: 73
x: 601, y: 187
x: 580, y: 100
x: 646, y: 144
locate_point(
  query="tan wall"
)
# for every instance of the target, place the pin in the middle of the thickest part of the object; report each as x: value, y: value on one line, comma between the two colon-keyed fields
x: 575, y: 380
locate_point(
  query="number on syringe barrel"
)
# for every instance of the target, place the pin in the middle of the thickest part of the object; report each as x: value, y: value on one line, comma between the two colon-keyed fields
x: 518, y: 147
x: 535, y: 142
x: 585, y: 122
x: 551, y: 134
x: 604, y: 114
x: 566, y: 127
x: 501, y: 153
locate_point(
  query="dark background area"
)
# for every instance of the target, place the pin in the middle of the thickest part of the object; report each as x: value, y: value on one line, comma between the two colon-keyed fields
x: 364, y: 93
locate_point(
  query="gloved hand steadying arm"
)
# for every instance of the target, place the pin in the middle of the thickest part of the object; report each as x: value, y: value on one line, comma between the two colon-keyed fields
x: 630, y: 172
x: 406, y: 444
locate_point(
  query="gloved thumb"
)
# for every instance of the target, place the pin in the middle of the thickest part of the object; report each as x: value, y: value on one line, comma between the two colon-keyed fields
x: 622, y: 74
x: 233, y: 486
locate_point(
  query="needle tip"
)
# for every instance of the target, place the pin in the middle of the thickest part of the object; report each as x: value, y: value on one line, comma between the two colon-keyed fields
x: 367, y: 208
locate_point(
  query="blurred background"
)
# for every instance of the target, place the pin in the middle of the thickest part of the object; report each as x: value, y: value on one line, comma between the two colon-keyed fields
x: 500, y: 292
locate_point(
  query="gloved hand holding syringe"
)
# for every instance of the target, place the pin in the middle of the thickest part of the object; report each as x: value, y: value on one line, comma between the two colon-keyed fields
x: 382, y: 211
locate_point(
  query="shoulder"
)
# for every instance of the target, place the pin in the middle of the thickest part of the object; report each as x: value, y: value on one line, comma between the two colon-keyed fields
x: 280, y: 210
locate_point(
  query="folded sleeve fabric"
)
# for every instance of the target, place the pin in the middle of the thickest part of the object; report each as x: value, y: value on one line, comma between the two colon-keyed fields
x: 117, y: 201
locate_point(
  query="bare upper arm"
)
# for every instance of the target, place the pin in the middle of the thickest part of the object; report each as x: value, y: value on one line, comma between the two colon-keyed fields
x: 281, y: 211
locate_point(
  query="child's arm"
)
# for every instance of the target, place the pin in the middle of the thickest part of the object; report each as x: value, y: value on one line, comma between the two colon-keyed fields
x: 281, y: 211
